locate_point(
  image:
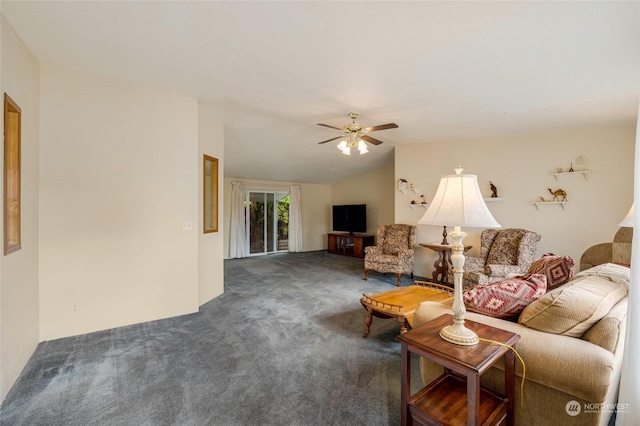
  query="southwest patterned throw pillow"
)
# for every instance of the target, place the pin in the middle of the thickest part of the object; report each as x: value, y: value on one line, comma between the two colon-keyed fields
x: 507, y: 298
x: 558, y: 269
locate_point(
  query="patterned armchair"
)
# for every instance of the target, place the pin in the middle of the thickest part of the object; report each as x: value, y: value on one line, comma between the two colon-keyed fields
x: 502, y: 252
x: 394, y: 251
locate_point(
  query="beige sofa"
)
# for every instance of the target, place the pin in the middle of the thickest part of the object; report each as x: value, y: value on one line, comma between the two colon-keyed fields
x: 560, y: 368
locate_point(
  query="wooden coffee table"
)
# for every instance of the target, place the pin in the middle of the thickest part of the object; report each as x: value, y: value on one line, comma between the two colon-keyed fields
x: 401, y: 303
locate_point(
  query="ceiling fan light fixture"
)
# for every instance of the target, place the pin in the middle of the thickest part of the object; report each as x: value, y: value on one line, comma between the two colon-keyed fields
x: 362, y: 147
x: 344, y: 147
x: 356, y: 136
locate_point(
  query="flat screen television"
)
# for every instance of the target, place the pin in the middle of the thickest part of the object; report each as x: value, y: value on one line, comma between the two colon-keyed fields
x: 350, y: 218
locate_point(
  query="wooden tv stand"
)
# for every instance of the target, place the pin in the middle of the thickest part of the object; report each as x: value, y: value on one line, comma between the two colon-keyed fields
x: 348, y: 244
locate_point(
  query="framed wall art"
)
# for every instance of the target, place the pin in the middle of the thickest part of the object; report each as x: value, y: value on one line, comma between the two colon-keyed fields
x: 11, y: 201
x: 210, y: 196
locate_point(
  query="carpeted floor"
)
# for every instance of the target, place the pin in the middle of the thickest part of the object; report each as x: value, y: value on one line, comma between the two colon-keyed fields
x: 282, y: 346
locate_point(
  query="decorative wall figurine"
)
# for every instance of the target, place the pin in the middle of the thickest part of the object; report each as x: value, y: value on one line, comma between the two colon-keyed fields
x: 558, y: 194
x: 494, y: 190
x: 424, y: 201
x: 402, y: 184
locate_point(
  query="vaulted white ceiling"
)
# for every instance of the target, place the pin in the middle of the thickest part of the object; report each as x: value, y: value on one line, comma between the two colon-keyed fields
x: 272, y: 70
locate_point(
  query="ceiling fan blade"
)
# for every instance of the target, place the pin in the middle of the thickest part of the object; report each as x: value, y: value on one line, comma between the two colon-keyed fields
x: 370, y: 139
x: 332, y: 139
x: 331, y: 127
x: 381, y: 127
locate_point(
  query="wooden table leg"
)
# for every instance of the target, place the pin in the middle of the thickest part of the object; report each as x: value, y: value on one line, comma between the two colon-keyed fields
x: 440, y: 268
x: 473, y: 399
x: 405, y: 386
x: 446, y: 262
x: 510, y: 385
x: 404, y: 325
x: 367, y: 323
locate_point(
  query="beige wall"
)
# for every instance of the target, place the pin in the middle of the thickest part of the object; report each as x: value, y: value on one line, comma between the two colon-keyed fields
x: 210, y: 245
x: 19, y: 73
x: 316, y: 203
x: 118, y: 178
x: 521, y: 167
x: 375, y: 189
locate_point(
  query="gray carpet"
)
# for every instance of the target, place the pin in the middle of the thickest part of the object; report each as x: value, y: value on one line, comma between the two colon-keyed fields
x: 282, y: 346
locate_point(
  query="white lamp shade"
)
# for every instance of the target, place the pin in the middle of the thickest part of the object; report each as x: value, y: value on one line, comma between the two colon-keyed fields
x: 628, y: 219
x: 362, y: 147
x: 458, y: 202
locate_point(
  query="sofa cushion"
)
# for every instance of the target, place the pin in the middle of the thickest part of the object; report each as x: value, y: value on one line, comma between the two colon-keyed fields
x: 607, y: 332
x: 558, y: 269
x: 610, y: 271
x: 507, y: 298
x: 576, y: 306
x: 504, y: 249
x: 396, y: 238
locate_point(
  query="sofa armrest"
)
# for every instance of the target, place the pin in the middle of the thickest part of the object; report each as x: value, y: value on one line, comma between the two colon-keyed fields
x: 472, y: 263
x: 406, y: 253
x: 502, y: 270
x: 373, y: 250
x: 564, y: 363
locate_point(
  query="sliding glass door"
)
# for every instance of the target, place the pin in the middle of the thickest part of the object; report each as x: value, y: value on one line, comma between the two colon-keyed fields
x: 267, y: 222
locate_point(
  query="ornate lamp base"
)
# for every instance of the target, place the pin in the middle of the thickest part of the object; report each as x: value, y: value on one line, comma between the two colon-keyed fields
x: 459, y: 334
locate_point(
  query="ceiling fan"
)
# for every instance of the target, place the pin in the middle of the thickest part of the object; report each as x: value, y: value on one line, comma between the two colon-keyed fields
x: 355, y: 135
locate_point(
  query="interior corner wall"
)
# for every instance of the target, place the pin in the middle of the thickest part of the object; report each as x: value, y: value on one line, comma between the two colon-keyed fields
x: 375, y: 189
x: 522, y: 167
x: 118, y: 177
x: 315, y: 200
x: 19, y: 72
x: 210, y: 245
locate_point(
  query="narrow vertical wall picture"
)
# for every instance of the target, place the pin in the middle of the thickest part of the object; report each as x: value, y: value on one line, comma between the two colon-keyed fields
x: 11, y: 201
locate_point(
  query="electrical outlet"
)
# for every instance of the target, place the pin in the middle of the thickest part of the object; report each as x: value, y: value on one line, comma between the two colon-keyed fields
x: 75, y: 308
x: 187, y: 226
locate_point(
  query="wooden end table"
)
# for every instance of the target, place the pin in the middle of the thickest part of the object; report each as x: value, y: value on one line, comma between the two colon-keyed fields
x: 443, y: 261
x: 456, y: 397
x: 401, y: 303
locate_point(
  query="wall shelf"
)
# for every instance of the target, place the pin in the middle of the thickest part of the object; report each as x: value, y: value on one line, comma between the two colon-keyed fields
x: 585, y: 173
x: 413, y: 206
x: 538, y: 203
x: 493, y: 199
x: 404, y: 191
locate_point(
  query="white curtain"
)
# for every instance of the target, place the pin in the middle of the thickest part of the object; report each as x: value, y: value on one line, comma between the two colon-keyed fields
x: 629, y: 413
x: 236, y: 234
x: 295, y: 219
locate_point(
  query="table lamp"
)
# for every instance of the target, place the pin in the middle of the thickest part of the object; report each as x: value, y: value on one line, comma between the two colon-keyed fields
x: 628, y: 219
x: 459, y: 203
